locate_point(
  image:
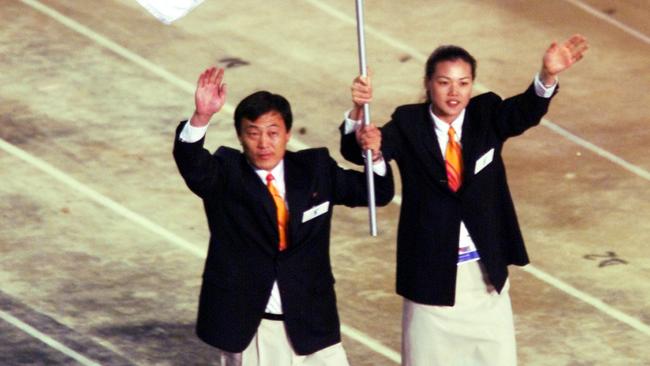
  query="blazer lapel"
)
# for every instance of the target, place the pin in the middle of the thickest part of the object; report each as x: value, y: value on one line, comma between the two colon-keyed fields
x: 424, y: 138
x: 468, y: 144
x: 297, y: 186
x: 262, y: 203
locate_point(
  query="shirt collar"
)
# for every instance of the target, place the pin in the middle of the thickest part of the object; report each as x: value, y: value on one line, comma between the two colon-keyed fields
x: 442, y: 127
x: 278, y: 175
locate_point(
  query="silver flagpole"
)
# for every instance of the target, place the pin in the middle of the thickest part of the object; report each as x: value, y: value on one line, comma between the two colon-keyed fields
x: 372, y: 211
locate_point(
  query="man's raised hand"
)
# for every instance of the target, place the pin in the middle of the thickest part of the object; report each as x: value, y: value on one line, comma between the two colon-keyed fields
x: 209, y: 97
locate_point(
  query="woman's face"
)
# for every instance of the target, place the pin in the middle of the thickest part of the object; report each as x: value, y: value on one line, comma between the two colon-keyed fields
x: 450, y: 88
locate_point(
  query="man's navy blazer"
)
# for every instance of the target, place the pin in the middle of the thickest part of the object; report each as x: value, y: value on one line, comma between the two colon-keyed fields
x: 243, y: 259
x: 429, y: 223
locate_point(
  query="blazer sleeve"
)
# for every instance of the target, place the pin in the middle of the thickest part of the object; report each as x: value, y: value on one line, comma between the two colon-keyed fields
x: 199, y: 168
x: 349, y: 187
x: 516, y: 114
x: 349, y: 148
x: 351, y: 151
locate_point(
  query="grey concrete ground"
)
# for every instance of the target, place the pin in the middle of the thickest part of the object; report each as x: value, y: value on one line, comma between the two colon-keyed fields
x: 101, y: 244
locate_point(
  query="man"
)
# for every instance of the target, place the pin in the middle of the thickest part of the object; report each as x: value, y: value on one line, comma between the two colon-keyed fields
x: 458, y: 230
x: 267, y: 297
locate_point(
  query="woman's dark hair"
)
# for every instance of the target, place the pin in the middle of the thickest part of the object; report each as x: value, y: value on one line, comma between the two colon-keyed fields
x: 447, y: 53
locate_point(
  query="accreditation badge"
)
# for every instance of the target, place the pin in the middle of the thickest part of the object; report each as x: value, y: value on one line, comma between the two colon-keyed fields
x: 467, y: 251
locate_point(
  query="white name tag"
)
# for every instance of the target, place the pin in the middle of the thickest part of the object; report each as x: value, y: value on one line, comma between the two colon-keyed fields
x: 315, y: 211
x: 484, y: 161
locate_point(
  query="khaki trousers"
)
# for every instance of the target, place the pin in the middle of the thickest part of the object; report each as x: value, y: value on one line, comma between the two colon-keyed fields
x: 477, y: 331
x: 271, y: 347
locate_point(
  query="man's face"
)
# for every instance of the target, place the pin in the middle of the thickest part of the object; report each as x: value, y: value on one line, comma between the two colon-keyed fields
x: 450, y: 88
x: 264, y: 140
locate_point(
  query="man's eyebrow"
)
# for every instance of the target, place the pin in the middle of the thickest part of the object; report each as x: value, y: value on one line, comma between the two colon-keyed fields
x: 449, y: 78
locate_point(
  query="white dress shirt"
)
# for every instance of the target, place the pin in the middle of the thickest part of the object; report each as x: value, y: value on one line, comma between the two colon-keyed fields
x: 274, y: 305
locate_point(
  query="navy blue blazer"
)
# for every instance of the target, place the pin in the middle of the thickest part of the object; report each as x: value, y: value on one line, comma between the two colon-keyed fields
x: 243, y: 259
x: 429, y: 223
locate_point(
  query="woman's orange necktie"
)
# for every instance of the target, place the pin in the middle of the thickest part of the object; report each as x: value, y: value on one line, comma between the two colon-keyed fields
x: 454, y: 162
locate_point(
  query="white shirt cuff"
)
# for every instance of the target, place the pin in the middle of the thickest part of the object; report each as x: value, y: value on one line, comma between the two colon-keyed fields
x: 191, y: 134
x: 379, y: 167
x: 542, y: 90
x: 350, y: 125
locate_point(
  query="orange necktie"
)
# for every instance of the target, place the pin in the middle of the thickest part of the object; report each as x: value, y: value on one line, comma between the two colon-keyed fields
x: 281, y: 211
x: 454, y: 162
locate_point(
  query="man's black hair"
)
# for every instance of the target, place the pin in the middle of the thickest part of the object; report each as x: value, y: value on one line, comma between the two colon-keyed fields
x: 259, y: 103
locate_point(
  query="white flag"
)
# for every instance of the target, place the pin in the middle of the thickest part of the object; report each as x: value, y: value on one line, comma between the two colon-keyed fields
x: 168, y: 11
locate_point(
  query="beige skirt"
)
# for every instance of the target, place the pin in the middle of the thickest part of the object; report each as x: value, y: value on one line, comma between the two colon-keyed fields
x: 478, y: 330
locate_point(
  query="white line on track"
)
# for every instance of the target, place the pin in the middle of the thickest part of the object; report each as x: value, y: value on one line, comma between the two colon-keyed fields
x: 296, y: 144
x: 100, y: 198
x: 134, y: 58
x: 585, y: 297
x: 46, y: 339
x: 188, y: 87
x: 599, y: 14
